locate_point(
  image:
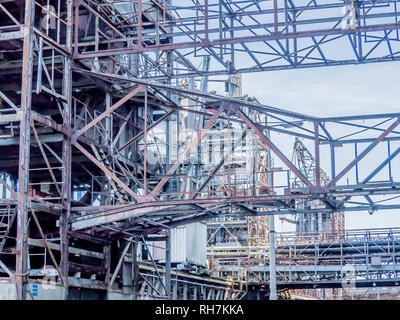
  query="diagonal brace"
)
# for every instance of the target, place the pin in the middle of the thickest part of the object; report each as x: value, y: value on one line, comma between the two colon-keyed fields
x: 364, y: 153
x: 273, y: 147
x: 107, y: 172
x: 140, y: 88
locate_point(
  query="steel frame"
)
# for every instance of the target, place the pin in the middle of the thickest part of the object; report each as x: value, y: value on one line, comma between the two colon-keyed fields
x: 82, y: 100
x: 318, y: 261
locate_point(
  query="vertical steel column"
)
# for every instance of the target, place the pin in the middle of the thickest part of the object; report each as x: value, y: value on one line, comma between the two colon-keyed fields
x: 272, y: 253
x: 170, y: 70
x: 333, y: 167
x: 127, y: 276
x: 66, y: 150
x: 106, y: 189
x: 76, y: 26
x: 135, y: 267
x: 206, y: 31
x: 107, y: 262
x: 168, y: 263
x: 145, y: 144
x: 272, y: 259
x: 24, y: 149
x: 317, y: 156
x: 140, y: 23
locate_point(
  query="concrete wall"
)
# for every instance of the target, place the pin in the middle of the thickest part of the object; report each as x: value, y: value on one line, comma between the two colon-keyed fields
x: 45, y: 292
x: 51, y: 292
x: 33, y: 292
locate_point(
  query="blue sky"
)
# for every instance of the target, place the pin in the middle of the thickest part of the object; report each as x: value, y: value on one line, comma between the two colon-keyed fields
x: 334, y: 91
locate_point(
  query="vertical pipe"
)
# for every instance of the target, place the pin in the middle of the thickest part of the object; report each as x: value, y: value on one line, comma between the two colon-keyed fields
x: 96, y: 32
x: 170, y: 68
x: 76, y: 28
x: 355, y: 157
x: 269, y: 164
x: 295, y: 51
x: 108, y: 141
x: 232, y: 34
x: 168, y: 263
x: 135, y: 267
x: 272, y: 259
x: 317, y: 155
x: 24, y: 150
x: 164, y: 12
x: 145, y: 144
x: 272, y: 254
x: 4, y: 195
x: 229, y: 152
x: 333, y: 169
x: 220, y: 27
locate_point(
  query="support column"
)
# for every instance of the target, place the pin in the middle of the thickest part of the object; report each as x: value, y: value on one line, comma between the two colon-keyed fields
x: 127, y: 277
x: 168, y: 263
x: 66, y: 153
x: 272, y: 253
x: 24, y: 151
x: 317, y: 155
x: 272, y: 260
x: 135, y: 268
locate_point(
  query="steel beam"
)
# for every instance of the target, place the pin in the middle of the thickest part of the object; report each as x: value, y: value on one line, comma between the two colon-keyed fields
x: 273, y: 147
x: 24, y: 149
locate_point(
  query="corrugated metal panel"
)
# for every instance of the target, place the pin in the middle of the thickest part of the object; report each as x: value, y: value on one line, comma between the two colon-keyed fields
x: 178, y: 245
x: 157, y: 249
x: 196, y: 243
x: 188, y: 245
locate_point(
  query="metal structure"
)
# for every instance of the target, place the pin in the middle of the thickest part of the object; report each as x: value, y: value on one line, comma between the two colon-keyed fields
x: 106, y: 136
x: 314, y: 223
x: 346, y: 261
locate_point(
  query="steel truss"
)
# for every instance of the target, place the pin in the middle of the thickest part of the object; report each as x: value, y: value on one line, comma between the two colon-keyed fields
x: 239, y: 36
x: 354, y: 259
x: 81, y: 123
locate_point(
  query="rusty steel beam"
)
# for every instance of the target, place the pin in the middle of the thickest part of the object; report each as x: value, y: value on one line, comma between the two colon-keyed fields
x: 221, y: 42
x: 273, y: 147
x: 66, y: 173
x: 65, y: 129
x: 97, y: 219
x: 24, y: 150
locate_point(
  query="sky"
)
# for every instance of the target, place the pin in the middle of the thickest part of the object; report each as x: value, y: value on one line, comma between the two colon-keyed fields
x: 333, y: 91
